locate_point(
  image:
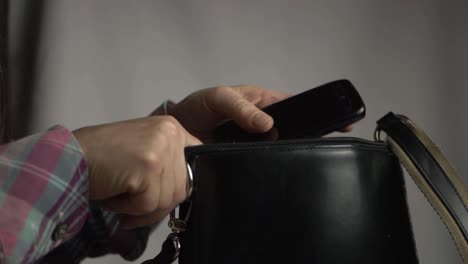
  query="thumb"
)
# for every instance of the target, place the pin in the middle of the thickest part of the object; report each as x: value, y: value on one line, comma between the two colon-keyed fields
x: 230, y: 104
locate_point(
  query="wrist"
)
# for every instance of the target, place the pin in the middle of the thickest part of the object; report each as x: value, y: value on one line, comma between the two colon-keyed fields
x: 81, y: 136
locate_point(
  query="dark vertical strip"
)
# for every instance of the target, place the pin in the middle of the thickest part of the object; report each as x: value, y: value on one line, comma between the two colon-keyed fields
x: 3, y: 70
x: 28, y: 43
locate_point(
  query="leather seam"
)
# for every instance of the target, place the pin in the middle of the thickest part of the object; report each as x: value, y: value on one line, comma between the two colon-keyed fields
x: 261, y: 150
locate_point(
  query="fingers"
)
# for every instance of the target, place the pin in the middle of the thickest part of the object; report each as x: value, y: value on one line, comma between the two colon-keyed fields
x: 131, y: 204
x: 231, y: 104
x: 259, y: 96
x: 346, y: 129
x: 133, y: 215
x: 131, y: 222
x: 167, y: 191
x: 157, y: 178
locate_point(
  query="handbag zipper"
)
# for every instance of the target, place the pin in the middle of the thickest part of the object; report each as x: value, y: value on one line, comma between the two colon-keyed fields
x: 318, y: 142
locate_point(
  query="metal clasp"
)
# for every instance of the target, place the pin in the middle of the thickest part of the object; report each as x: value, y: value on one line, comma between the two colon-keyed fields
x: 377, y: 134
x: 176, y: 243
x: 177, y: 224
x: 189, y: 187
x: 378, y: 130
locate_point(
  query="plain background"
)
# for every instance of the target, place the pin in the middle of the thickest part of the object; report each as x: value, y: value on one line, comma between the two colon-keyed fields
x: 107, y: 60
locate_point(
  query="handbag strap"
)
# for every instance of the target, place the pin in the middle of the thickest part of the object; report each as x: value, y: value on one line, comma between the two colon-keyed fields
x: 432, y: 173
x: 166, y: 256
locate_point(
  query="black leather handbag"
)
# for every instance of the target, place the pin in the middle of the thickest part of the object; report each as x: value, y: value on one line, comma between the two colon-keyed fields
x: 328, y: 200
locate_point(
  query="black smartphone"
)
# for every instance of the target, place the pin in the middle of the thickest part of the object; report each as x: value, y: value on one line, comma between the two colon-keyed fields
x: 313, y: 113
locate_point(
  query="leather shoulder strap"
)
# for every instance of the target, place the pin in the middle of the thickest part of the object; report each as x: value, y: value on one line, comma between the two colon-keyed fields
x: 433, y: 174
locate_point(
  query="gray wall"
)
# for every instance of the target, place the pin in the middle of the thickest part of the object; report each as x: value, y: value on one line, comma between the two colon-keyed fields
x: 102, y: 61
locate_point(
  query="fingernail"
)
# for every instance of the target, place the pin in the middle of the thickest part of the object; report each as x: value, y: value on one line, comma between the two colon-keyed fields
x: 262, y: 121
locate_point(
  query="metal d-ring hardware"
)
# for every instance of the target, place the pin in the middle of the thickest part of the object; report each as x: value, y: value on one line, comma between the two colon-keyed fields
x: 378, y: 130
x: 377, y: 134
x: 177, y: 226
x: 189, y: 187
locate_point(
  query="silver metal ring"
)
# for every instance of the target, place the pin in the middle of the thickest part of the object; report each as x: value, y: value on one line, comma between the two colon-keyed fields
x: 189, y: 187
x: 377, y: 133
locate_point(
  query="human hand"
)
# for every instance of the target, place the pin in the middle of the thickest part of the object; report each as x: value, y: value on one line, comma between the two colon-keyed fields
x: 137, y: 167
x: 201, y: 112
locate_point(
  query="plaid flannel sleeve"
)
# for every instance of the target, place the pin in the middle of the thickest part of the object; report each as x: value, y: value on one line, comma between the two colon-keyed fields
x: 44, y: 209
x: 45, y: 215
